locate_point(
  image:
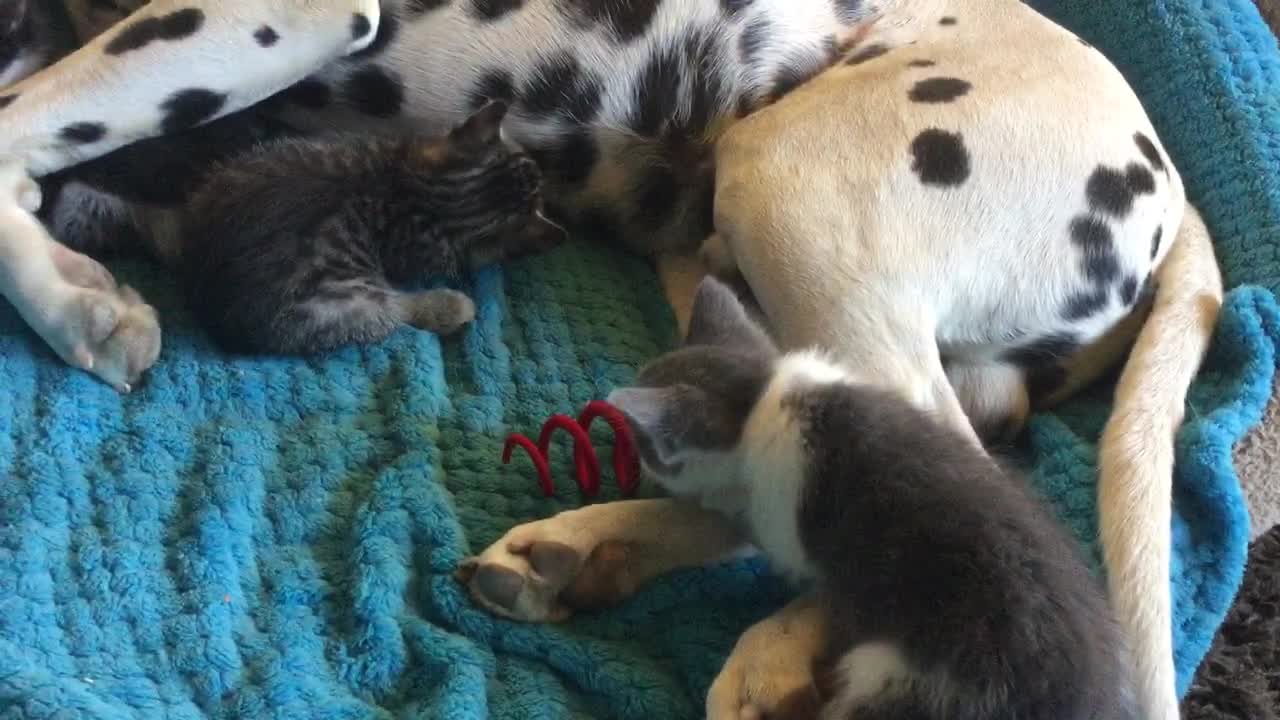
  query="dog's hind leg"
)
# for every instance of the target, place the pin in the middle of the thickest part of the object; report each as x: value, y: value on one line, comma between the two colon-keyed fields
x: 172, y: 65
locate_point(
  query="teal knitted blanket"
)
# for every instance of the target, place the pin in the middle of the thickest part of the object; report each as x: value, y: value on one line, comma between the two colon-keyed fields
x: 274, y: 538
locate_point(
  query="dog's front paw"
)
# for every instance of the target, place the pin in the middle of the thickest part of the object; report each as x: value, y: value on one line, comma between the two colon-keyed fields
x: 544, y: 570
x: 769, y: 675
x: 81, y: 270
x: 132, y: 347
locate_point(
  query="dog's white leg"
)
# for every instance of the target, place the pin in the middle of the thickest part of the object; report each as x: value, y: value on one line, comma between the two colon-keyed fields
x: 594, y: 556
x: 769, y: 674
x: 172, y: 65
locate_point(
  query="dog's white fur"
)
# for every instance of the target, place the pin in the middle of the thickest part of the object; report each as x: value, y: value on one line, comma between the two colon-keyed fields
x: 816, y: 208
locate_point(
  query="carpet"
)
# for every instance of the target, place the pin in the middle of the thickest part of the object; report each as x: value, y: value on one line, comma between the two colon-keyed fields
x: 1240, y: 678
x: 275, y: 538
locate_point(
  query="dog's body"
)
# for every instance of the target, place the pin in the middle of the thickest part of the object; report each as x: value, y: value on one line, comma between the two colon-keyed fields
x: 925, y: 210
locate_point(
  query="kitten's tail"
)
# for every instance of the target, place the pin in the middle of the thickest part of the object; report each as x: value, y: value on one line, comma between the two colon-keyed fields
x: 1136, y: 457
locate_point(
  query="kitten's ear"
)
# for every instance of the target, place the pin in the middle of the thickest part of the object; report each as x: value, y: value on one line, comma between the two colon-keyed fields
x: 483, y: 127
x: 658, y: 420
x: 718, y: 318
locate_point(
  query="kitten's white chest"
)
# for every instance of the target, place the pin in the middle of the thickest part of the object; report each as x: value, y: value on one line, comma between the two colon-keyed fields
x: 775, y: 468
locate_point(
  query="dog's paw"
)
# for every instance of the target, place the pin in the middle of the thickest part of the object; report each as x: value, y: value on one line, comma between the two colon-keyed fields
x: 769, y: 675
x: 132, y: 347
x: 543, y: 571
x: 81, y: 270
x: 77, y: 323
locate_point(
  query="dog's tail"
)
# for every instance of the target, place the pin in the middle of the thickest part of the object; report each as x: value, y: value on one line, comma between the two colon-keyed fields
x: 1136, y: 456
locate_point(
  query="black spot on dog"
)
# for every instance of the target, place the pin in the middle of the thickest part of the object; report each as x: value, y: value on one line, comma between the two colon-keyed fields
x: 656, y: 196
x: 83, y: 133
x: 789, y: 77
x: 421, y: 7
x: 174, y: 26
x: 1085, y: 304
x: 360, y: 26
x: 709, y: 94
x: 1129, y: 290
x: 388, y: 28
x: 266, y: 36
x: 1044, y: 381
x: 939, y: 90
x: 1097, y: 248
x: 1110, y: 191
x: 733, y: 7
x: 1155, y: 242
x: 626, y: 20
x: 7, y: 100
x: 1045, y: 351
x: 870, y: 52
x: 492, y: 85
x: 657, y: 92
x: 569, y: 161
x: 188, y: 108
x: 309, y: 93
x: 848, y: 11
x: 374, y: 91
x: 940, y: 158
x: 490, y: 10
x: 921, y: 63
x: 1140, y: 179
x: 1149, y: 151
x: 1107, y: 191
x: 559, y: 86
x: 947, y: 20
x: 752, y: 39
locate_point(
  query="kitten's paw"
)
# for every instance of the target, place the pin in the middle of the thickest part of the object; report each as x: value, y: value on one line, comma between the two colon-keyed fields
x: 544, y: 570
x: 443, y: 312
x: 768, y: 676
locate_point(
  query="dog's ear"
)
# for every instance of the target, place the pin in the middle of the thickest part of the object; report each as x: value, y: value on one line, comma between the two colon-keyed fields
x: 661, y: 420
x: 718, y: 318
x: 483, y: 127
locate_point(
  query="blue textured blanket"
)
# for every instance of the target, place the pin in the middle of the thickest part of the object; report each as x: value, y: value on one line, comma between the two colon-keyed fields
x: 274, y: 538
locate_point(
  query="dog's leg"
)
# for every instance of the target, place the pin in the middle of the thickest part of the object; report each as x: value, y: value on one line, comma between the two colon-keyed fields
x: 769, y: 674
x: 172, y: 65
x: 594, y: 556
x: 1136, y: 456
x: 680, y: 274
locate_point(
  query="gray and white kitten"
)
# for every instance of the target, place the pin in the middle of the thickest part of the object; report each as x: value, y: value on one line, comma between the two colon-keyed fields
x: 302, y: 245
x: 952, y: 593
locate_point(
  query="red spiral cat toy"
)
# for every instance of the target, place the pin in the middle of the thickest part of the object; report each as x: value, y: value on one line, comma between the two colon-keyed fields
x: 626, y: 463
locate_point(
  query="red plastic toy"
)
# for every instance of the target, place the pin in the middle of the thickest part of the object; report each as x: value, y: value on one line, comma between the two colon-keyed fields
x: 626, y: 463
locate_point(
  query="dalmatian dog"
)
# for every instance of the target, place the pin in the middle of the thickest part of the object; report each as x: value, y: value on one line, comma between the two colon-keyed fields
x: 891, y: 184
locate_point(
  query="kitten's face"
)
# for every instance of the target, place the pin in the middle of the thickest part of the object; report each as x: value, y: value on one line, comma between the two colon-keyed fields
x: 688, y: 408
x: 492, y: 189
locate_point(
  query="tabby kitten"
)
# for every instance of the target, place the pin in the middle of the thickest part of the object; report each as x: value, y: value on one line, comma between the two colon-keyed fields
x: 952, y: 593
x: 295, y: 247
